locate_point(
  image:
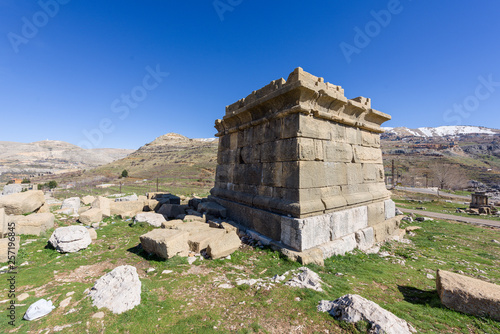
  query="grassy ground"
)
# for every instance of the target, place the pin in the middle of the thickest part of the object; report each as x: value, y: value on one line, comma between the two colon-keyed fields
x: 188, y: 300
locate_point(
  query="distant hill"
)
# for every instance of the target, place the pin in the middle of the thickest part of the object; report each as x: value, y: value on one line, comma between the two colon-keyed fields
x: 51, y: 156
x: 440, y: 131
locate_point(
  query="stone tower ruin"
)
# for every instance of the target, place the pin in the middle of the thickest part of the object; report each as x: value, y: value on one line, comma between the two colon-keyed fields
x: 301, y: 164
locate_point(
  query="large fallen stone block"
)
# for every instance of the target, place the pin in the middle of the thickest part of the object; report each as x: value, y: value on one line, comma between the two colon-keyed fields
x: 468, y: 295
x: 354, y: 308
x: 5, y: 243
x: 202, y: 238
x: 91, y: 216
x: 172, y: 210
x: 22, y: 203
x: 213, y: 209
x: 70, y: 239
x: 224, y: 246
x: 45, y: 208
x: 119, y: 290
x: 152, y: 218
x: 172, y: 224
x: 104, y: 204
x: 164, y: 198
x: 126, y: 209
x: 34, y: 224
x: 166, y: 243
x: 86, y: 200
x: 192, y: 227
x: 71, y: 203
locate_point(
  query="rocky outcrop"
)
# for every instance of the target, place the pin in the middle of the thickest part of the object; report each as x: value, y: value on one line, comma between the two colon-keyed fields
x: 22, y: 203
x: 118, y: 290
x: 70, y: 239
x: 468, y: 295
x: 354, y: 308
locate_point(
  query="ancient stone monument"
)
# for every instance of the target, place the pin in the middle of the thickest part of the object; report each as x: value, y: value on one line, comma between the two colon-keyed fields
x: 301, y: 164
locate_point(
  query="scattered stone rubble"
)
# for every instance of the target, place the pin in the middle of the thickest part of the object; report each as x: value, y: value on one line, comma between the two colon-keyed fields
x: 354, y: 308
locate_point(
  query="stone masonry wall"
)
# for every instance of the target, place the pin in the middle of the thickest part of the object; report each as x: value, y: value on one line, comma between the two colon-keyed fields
x: 299, y: 148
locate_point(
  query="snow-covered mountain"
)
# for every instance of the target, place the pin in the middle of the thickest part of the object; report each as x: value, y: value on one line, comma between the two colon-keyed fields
x: 441, y: 131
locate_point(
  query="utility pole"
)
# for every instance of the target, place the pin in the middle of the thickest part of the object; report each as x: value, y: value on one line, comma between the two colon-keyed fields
x: 393, y: 173
x: 156, y: 184
x: 120, y: 187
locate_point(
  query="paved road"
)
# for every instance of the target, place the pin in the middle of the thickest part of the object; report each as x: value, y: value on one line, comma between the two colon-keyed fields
x: 470, y: 220
x: 433, y: 192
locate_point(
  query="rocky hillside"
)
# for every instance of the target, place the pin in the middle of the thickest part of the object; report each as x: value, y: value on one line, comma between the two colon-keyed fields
x: 168, y: 156
x: 49, y: 156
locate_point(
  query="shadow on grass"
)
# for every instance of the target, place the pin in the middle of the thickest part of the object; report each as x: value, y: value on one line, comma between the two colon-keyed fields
x: 420, y: 297
x: 138, y: 250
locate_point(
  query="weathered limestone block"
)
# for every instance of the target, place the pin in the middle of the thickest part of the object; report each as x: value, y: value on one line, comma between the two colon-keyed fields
x: 200, y: 240
x: 34, y: 224
x: 45, y: 208
x: 306, y: 233
x: 72, y: 203
x: 390, y: 209
x: 213, y: 209
x: 172, y: 210
x: 22, y: 203
x: 126, y: 208
x: 152, y: 218
x: 223, y: 246
x: 104, y: 204
x: 86, y: 200
x: 468, y: 295
x: 91, y: 216
x: 119, y: 290
x: 5, y: 243
x: 70, y: 239
x: 386, y: 229
x: 166, y: 243
x: 354, y: 308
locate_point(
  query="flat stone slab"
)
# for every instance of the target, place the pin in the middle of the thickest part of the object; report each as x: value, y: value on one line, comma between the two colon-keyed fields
x: 354, y: 308
x: 118, y: 290
x: 127, y: 208
x: 166, y: 243
x: 468, y: 295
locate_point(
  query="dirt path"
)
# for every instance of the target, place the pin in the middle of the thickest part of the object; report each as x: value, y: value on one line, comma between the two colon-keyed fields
x: 470, y: 220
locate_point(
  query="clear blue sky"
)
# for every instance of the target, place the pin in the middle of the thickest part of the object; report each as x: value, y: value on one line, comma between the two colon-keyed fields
x: 66, y: 70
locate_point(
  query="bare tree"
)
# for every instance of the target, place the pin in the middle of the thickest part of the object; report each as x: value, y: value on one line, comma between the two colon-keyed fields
x: 448, y: 176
